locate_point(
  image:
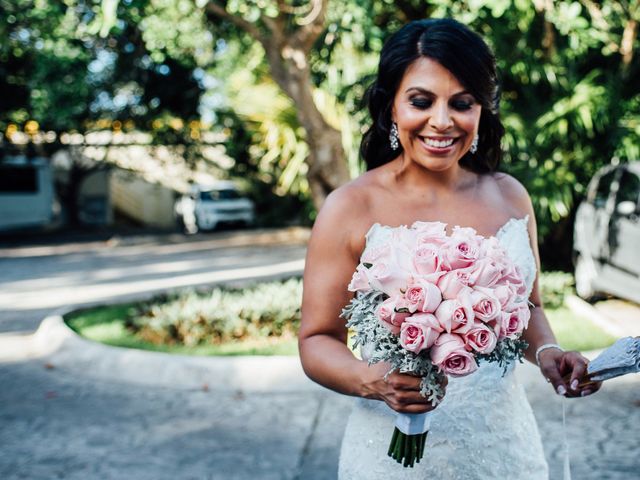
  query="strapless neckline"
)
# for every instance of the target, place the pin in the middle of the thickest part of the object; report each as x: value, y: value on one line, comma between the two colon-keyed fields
x: 513, y: 235
x: 503, y: 228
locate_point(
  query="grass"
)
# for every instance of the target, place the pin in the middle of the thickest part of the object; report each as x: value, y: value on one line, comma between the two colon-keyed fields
x: 577, y: 333
x: 106, y: 325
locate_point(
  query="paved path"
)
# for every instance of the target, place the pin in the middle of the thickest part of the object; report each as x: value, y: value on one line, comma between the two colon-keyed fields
x: 75, y: 410
x: 36, y: 280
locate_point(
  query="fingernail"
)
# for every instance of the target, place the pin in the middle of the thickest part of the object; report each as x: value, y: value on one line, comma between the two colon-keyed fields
x: 561, y: 390
x: 574, y: 384
x: 584, y: 393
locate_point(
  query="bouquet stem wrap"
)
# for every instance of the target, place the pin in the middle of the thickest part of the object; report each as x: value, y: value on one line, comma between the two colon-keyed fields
x: 409, y: 437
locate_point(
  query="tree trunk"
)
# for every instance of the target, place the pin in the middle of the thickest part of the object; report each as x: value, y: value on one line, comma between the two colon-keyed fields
x: 287, y: 54
x: 326, y: 159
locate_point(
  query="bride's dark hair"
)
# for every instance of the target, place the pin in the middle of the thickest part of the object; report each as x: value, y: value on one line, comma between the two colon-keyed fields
x: 466, y: 56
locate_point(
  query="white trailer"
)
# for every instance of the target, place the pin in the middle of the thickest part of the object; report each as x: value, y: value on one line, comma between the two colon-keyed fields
x: 26, y: 193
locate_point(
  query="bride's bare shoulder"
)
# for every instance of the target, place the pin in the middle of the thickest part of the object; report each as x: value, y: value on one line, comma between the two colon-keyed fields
x: 353, y: 200
x: 512, y: 192
x: 348, y: 210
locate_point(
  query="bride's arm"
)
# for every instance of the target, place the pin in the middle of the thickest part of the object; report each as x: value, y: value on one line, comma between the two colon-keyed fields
x: 332, y: 256
x: 554, y: 363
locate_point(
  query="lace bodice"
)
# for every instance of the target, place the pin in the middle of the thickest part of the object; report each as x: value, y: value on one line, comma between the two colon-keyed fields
x: 484, y: 428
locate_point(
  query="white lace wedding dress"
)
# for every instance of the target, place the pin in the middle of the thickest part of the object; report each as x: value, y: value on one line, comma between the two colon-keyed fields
x: 483, y: 430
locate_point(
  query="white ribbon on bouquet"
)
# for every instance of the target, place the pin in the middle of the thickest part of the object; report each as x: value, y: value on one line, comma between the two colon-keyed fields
x: 413, y: 423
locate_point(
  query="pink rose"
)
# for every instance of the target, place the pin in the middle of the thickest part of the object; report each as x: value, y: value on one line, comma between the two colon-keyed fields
x: 485, y: 306
x: 511, y: 276
x: 492, y: 248
x: 462, y: 249
x: 426, y: 259
x: 403, y: 242
x: 389, y: 316
x: 372, y: 254
x: 453, y: 282
x: 515, y: 322
x: 422, y: 296
x: 449, y: 354
x: 359, y: 281
x: 485, y: 272
x: 419, y: 332
x: 430, y: 232
x: 387, y: 276
x: 456, y: 315
x: 503, y: 293
x: 481, y: 338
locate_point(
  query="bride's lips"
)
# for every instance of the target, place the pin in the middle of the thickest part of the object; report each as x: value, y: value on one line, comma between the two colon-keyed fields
x: 438, y: 145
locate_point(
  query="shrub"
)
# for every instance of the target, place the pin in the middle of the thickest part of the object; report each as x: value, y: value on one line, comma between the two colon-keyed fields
x: 554, y: 286
x: 224, y: 314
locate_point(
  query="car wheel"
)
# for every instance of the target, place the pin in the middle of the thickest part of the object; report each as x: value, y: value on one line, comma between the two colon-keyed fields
x: 584, y: 276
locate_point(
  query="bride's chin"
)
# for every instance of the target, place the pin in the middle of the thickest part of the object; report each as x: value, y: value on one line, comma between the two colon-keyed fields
x: 436, y: 165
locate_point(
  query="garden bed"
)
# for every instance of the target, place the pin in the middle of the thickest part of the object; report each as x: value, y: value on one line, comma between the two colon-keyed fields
x: 264, y: 319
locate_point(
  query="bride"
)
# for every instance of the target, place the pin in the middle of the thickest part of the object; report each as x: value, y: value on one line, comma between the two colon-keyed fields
x: 432, y: 154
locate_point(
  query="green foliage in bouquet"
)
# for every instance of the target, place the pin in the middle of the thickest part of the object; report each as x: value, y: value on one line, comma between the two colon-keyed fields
x: 380, y: 345
x: 507, y: 351
x: 222, y: 315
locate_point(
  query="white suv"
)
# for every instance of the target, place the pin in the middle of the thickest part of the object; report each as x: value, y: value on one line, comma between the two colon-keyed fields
x: 211, y: 205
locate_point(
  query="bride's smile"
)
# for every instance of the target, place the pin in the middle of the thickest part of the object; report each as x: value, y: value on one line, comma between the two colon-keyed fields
x: 437, y: 118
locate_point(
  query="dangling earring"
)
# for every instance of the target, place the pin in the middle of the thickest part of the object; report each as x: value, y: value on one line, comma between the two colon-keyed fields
x: 394, y: 136
x: 474, y: 144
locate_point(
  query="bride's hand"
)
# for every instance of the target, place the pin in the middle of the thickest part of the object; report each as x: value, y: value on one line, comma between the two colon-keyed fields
x: 400, y: 391
x: 556, y: 364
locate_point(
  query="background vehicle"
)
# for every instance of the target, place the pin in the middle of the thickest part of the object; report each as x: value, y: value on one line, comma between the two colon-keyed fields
x: 211, y: 205
x: 26, y: 193
x: 607, y: 235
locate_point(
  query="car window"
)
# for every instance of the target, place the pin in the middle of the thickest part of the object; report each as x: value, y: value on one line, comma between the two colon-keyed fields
x: 629, y: 188
x: 209, y: 196
x: 214, y: 195
x: 228, y: 194
x: 602, y: 191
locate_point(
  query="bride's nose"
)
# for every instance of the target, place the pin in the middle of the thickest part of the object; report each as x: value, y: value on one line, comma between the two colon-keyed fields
x: 440, y: 117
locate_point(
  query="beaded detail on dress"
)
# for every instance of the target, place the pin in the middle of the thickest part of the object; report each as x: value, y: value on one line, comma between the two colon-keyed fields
x: 483, y: 430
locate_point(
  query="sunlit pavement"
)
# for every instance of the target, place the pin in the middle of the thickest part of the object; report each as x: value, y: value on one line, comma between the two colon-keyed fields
x: 61, y: 419
x: 623, y: 314
x: 77, y: 410
x: 36, y: 280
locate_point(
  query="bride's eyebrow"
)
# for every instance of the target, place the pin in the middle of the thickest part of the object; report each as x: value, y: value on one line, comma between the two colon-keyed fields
x: 424, y: 91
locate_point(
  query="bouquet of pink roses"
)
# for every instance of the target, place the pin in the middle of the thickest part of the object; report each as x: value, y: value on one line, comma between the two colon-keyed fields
x: 432, y: 304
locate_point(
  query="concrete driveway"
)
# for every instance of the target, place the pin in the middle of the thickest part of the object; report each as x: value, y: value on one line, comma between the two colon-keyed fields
x: 39, y: 279
x: 73, y: 409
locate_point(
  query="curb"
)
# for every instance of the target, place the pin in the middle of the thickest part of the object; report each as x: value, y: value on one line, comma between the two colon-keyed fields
x: 585, y: 309
x: 258, y: 237
x: 65, y: 349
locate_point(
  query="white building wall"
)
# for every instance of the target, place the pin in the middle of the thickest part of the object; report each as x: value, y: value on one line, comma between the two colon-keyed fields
x: 148, y: 203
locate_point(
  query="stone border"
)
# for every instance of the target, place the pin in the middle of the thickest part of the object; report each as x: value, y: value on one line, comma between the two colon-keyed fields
x: 582, y: 308
x: 61, y: 347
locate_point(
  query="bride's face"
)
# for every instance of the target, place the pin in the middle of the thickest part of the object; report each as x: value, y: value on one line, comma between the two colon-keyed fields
x: 436, y: 117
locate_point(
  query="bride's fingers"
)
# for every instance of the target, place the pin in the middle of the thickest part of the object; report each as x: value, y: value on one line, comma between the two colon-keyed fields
x: 414, y: 408
x: 401, y: 381
x: 579, y: 370
x: 574, y: 367
x: 549, y: 367
x: 409, y: 402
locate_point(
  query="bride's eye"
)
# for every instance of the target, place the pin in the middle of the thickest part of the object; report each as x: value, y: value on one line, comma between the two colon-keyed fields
x: 420, y: 103
x: 462, y: 105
